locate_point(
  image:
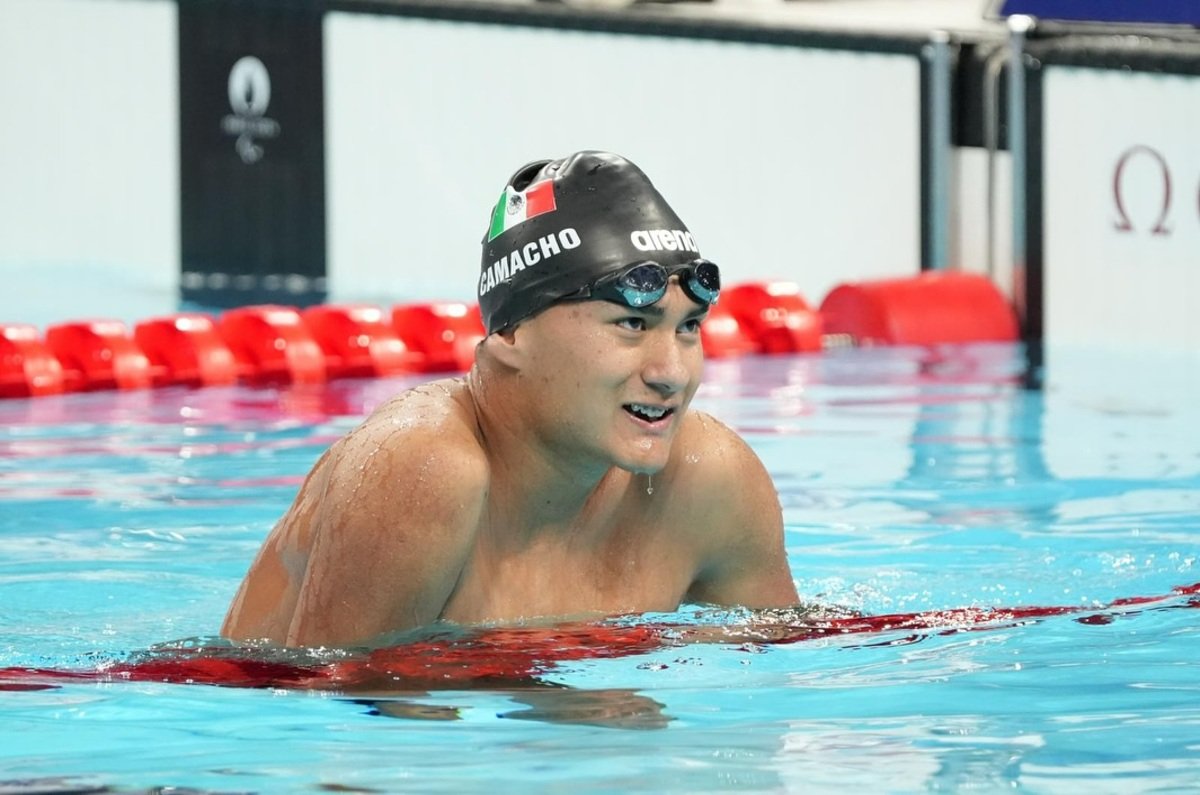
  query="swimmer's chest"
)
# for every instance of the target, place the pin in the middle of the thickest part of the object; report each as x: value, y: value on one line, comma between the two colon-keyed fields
x: 638, y: 570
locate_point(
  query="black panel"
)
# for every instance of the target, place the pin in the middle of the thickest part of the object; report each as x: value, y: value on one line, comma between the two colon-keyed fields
x: 1176, y: 53
x: 252, y: 165
x: 1033, y: 327
x: 927, y: 154
x: 970, y: 93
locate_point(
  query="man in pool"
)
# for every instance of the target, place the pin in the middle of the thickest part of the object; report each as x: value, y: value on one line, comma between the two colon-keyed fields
x: 565, y: 476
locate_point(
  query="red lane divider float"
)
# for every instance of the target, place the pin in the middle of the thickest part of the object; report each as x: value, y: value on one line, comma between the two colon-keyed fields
x: 27, y: 367
x: 186, y: 349
x: 934, y: 307
x: 444, y: 332
x: 98, y: 354
x: 272, y: 344
x: 723, y: 337
x: 775, y: 316
x: 282, y: 344
x: 359, y: 342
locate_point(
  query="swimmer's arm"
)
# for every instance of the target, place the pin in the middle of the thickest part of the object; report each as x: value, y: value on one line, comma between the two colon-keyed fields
x: 263, y: 605
x: 391, y: 538
x: 745, y: 562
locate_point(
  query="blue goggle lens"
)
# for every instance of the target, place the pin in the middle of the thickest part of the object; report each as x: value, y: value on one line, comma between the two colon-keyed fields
x: 646, y: 283
x: 703, y: 282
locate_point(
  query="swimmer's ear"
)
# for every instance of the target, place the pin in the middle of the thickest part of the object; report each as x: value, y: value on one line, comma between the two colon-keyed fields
x: 506, y: 347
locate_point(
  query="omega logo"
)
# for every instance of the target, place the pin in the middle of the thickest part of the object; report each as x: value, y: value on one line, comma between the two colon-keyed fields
x: 1140, y: 206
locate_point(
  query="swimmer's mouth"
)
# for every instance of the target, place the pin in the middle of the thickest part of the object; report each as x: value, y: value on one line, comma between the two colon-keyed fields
x: 648, y: 413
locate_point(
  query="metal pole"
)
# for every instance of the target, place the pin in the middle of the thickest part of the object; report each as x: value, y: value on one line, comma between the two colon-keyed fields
x: 1019, y: 27
x: 940, y: 169
x: 991, y: 141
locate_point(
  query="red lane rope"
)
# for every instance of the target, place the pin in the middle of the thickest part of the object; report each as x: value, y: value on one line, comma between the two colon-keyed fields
x: 265, y: 344
x: 517, y: 654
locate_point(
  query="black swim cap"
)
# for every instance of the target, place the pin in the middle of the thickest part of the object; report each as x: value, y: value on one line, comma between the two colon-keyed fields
x: 562, y: 224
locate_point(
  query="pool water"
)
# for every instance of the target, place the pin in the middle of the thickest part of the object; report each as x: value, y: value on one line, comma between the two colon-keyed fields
x: 911, y: 480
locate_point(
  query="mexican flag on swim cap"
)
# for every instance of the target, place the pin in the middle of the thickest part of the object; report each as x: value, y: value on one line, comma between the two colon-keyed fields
x: 561, y: 224
x: 517, y: 206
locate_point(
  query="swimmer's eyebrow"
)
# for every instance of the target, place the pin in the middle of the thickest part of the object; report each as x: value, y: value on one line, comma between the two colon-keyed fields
x: 656, y: 311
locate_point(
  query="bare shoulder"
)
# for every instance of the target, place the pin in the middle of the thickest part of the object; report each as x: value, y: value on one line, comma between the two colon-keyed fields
x: 718, y: 466
x: 412, y: 476
x: 733, y: 516
x: 419, y: 448
x: 401, y: 500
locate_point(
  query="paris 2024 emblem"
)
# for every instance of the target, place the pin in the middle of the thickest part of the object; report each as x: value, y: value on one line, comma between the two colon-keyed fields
x: 249, y: 96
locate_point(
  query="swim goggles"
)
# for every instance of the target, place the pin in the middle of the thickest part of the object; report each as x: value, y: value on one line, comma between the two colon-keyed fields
x: 645, y: 283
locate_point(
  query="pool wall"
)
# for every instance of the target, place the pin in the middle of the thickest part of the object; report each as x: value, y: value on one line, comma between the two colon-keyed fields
x: 370, y: 177
x: 1115, y: 169
x: 89, y: 157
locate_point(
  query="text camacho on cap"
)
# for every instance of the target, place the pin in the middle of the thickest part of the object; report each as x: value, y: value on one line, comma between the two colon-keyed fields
x: 562, y: 224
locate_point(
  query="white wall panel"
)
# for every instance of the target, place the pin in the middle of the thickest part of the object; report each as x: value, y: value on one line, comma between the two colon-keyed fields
x: 1122, y: 219
x: 89, y: 177
x: 785, y: 162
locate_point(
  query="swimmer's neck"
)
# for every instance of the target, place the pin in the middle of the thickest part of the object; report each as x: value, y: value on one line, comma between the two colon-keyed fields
x: 533, y: 485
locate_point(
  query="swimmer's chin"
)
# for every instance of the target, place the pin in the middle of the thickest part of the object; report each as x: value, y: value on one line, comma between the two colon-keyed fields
x: 650, y: 461
x: 647, y: 469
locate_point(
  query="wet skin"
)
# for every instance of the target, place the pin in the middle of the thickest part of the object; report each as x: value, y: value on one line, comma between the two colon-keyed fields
x: 565, y: 476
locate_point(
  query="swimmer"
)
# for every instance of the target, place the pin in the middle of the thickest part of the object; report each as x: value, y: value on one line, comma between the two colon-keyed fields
x: 565, y: 475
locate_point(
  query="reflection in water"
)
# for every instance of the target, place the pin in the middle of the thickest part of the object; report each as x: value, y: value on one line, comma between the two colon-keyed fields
x: 612, y: 708
x: 546, y: 702
x: 406, y: 708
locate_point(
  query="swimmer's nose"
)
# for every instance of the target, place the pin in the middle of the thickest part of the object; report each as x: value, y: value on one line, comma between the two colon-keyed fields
x: 666, y: 370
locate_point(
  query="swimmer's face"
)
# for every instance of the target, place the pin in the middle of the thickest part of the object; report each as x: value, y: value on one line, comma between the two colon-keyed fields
x: 612, y: 383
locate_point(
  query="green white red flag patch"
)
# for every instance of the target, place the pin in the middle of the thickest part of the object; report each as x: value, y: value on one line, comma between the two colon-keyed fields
x: 518, y: 206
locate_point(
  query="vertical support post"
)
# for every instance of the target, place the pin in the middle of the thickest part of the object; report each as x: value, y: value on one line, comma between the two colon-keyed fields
x: 1018, y: 27
x: 937, y: 64
x: 993, y: 67
x: 1024, y: 123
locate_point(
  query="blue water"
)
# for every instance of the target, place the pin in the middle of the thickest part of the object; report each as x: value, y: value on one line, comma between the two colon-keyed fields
x: 910, y: 480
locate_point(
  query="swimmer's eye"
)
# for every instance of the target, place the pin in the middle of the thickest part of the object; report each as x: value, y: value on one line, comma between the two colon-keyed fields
x: 632, y: 323
x: 691, y: 325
